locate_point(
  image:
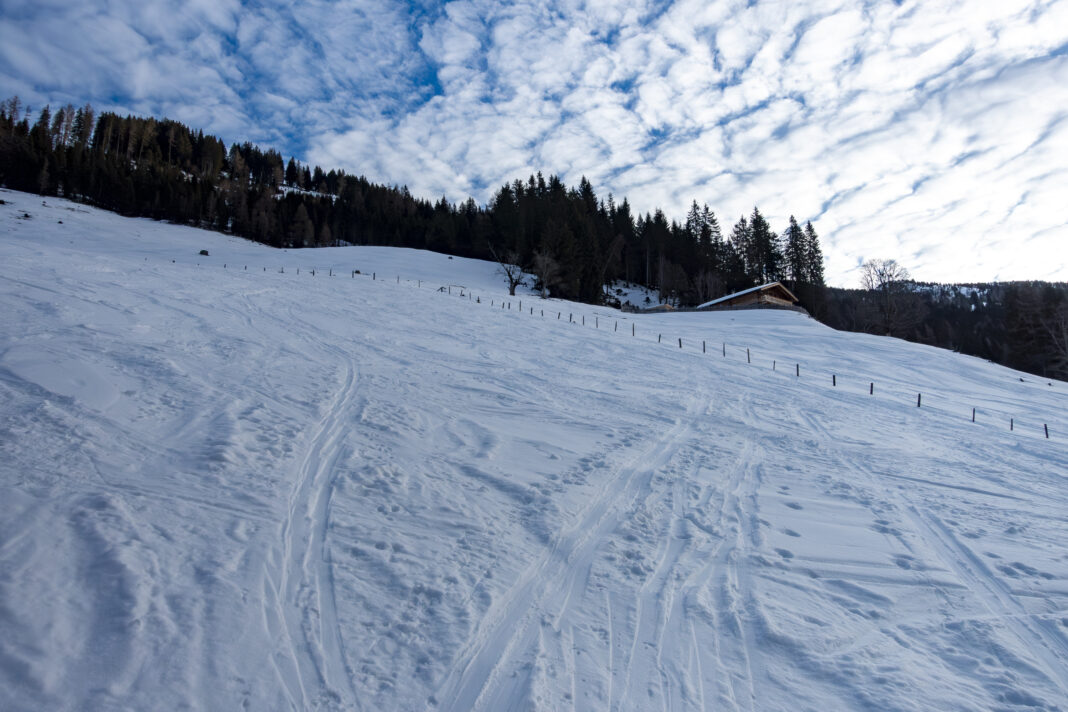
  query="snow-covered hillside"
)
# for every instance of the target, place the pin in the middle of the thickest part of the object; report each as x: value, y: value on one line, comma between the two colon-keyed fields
x: 225, y: 486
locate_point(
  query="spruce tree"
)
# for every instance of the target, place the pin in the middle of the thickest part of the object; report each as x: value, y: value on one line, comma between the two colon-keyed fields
x: 813, y: 256
x: 742, y: 244
x: 41, y: 133
x: 766, y: 254
x: 796, y: 253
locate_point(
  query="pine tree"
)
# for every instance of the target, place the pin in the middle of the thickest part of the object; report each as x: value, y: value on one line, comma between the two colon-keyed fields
x: 813, y: 256
x: 694, y: 222
x: 766, y: 254
x: 83, y: 133
x: 61, y: 126
x: 41, y: 133
x: 796, y: 254
x: 742, y: 243
x: 11, y: 108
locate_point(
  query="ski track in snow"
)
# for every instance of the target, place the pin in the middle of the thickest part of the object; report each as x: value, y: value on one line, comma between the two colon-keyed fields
x: 244, y: 488
x: 547, y: 587
x: 1045, y: 642
x: 305, y: 592
x: 1040, y: 636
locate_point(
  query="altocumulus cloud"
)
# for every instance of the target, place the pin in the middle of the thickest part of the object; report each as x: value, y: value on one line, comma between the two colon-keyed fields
x: 934, y: 133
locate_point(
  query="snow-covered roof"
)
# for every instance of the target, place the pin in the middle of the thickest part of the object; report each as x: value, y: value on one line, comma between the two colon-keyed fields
x: 742, y: 293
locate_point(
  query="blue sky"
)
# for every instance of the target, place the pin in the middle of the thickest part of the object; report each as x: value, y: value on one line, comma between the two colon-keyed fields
x: 935, y: 133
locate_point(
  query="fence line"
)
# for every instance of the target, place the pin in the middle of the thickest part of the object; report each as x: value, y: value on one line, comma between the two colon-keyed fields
x: 505, y: 305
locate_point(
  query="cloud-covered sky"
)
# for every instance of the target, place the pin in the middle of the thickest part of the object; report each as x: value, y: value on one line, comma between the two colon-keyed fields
x: 932, y: 132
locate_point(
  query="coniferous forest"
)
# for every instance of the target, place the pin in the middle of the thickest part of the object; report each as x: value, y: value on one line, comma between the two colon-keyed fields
x: 573, y: 241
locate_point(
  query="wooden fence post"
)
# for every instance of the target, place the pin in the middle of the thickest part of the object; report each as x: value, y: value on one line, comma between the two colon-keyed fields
x: 918, y: 398
x: 871, y: 388
x: 703, y: 347
x: 1010, y: 424
x: 658, y: 338
x: 834, y: 380
x: 747, y: 359
x: 680, y: 343
x: 973, y: 415
x: 1046, y: 428
x: 797, y: 370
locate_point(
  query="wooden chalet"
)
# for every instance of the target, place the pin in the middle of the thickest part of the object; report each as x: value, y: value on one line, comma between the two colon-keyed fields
x: 771, y: 295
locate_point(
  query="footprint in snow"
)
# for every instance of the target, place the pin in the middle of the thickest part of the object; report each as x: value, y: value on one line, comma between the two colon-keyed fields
x: 903, y: 562
x: 1016, y: 568
x: 794, y: 505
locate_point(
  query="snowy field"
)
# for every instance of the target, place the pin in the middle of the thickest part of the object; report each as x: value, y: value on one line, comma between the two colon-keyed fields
x: 225, y: 488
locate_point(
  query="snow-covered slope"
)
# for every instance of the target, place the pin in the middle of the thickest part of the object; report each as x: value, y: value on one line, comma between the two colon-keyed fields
x: 223, y: 486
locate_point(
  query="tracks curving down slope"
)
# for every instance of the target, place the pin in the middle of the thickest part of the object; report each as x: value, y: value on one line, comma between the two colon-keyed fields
x: 301, y: 599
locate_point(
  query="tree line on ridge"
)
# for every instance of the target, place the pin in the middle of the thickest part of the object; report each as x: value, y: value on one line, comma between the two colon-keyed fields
x: 574, y: 242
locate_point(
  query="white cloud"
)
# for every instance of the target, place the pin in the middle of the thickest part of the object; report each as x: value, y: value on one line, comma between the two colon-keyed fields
x: 927, y: 132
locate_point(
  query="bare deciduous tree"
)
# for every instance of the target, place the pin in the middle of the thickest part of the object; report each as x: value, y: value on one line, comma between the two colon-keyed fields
x: 1055, y: 324
x: 876, y: 275
x: 611, y: 255
x: 896, y: 306
x: 508, y: 266
x: 547, y: 270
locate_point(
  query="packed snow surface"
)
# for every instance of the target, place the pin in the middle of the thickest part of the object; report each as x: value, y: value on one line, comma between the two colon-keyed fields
x: 228, y: 486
